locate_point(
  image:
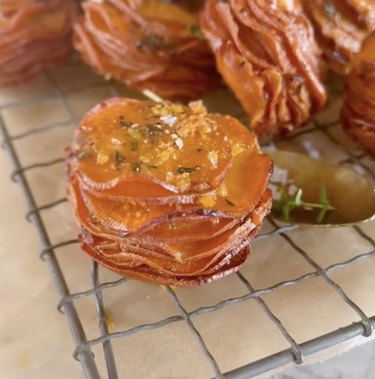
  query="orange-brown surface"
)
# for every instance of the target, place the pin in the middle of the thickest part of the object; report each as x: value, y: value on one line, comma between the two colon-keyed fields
x: 33, y: 35
x: 166, y: 192
x: 358, y: 114
x: 147, y: 45
x: 340, y: 28
x: 267, y: 54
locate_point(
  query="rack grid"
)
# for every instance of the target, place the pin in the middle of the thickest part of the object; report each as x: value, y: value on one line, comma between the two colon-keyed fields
x: 98, y: 289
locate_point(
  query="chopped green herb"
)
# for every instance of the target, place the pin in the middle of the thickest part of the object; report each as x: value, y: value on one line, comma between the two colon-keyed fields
x: 151, y: 166
x: 134, y: 145
x: 151, y: 132
x: 119, y: 159
x: 123, y: 124
x: 194, y: 31
x: 83, y: 153
x: 154, y: 42
x: 295, y: 83
x: 136, y: 167
x: 298, y: 197
x: 321, y: 215
x: 230, y: 203
x: 184, y: 170
x: 153, y: 129
x: 323, y: 195
x: 135, y: 133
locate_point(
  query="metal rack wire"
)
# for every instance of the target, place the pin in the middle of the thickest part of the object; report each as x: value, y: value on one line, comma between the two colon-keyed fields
x: 83, y: 346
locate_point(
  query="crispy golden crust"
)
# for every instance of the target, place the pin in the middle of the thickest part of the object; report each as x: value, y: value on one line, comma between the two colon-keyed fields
x: 138, y: 220
x: 268, y: 57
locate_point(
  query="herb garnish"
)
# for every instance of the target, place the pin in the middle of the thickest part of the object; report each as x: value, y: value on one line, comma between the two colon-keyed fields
x: 153, y: 42
x: 123, y: 124
x: 295, y: 82
x: 230, y: 203
x: 287, y: 204
x: 184, y: 170
x: 134, y: 145
x: 151, y: 166
x: 119, y: 159
x: 83, y: 153
x: 194, y: 31
x: 151, y: 132
x: 134, y: 133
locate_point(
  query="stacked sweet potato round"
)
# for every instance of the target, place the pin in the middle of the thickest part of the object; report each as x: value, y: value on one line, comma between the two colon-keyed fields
x: 340, y: 28
x: 358, y: 113
x: 166, y: 193
x: 33, y: 35
x: 145, y: 44
x: 267, y: 54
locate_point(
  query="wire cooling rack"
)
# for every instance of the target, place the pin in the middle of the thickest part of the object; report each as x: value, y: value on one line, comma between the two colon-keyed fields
x: 98, y: 290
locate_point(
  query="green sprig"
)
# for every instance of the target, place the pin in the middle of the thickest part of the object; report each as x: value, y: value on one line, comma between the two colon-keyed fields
x: 288, y: 203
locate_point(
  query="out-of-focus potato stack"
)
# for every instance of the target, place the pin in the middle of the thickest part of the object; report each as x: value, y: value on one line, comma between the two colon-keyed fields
x: 267, y: 54
x: 358, y: 114
x: 33, y: 35
x: 273, y: 54
x: 340, y: 28
x: 146, y: 44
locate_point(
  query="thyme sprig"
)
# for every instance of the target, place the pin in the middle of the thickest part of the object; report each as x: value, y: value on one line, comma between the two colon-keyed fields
x: 288, y: 203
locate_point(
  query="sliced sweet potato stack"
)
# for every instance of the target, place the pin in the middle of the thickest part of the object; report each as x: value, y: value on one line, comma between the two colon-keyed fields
x: 358, y: 112
x: 166, y: 192
x: 340, y: 28
x: 33, y: 36
x: 267, y: 54
x: 147, y: 45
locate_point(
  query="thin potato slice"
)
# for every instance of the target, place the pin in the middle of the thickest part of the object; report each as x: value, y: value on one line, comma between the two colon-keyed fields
x: 146, y: 274
x: 183, y: 150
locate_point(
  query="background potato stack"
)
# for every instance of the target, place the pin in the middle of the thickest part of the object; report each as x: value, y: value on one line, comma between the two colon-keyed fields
x: 267, y: 54
x: 340, y: 28
x: 358, y: 113
x: 33, y: 35
x: 147, y: 44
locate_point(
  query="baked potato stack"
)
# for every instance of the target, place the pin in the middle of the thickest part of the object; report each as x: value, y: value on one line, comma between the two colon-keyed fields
x: 266, y: 52
x: 340, y: 28
x: 166, y: 193
x: 33, y: 35
x: 358, y: 113
x: 147, y: 44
